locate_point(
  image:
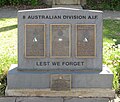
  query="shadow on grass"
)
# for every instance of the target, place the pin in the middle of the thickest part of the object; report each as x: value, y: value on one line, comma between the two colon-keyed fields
x: 7, y: 28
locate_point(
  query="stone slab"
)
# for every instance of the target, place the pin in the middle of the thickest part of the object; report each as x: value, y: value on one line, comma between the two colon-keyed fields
x: 87, y: 100
x: 41, y: 80
x: 7, y: 99
x: 59, y: 16
x: 79, y: 93
x: 58, y: 99
x: 74, y: 93
x: 38, y: 99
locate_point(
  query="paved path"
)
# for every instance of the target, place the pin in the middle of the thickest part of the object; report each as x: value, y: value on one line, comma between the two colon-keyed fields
x: 8, y: 12
x: 12, y: 13
x: 53, y: 99
x: 111, y: 15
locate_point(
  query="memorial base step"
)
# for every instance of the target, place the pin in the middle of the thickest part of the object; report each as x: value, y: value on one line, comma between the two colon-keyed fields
x: 75, y: 95
x: 42, y: 80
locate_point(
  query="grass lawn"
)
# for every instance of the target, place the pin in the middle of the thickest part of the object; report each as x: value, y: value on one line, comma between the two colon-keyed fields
x: 8, y: 43
x: 8, y: 47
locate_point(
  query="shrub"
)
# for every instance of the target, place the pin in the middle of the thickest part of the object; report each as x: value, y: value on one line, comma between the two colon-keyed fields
x: 104, y: 4
x: 20, y: 2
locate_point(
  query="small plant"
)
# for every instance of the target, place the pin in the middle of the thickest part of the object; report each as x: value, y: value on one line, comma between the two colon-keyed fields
x: 3, y: 84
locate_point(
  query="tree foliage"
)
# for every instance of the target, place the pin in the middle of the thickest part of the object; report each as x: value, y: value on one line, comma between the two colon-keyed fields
x: 91, y: 4
x: 20, y: 2
x: 104, y: 4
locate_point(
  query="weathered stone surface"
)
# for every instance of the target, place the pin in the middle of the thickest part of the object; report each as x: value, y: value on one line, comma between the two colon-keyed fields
x: 87, y: 100
x: 7, y: 99
x: 38, y: 99
x: 80, y: 92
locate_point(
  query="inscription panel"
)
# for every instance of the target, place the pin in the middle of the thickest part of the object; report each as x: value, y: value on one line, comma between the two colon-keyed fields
x: 34, y: 40
x: 86, y: 43
x: 60, y: 40
x: 61, y: 82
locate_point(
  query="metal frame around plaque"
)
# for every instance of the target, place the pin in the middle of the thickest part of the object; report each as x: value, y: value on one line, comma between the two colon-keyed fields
x: 58, y: 78
x: 51, y: 55
x: 94, y: 34
x: 44, y: 41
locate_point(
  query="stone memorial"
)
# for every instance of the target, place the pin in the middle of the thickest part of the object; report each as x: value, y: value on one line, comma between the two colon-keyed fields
x: 59, y: 49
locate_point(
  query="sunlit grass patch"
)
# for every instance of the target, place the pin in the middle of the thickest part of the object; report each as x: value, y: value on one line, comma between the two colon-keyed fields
x: 8, y: 47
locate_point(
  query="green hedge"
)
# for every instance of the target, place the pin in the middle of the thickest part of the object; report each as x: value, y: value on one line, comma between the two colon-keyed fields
x: 91, y: 4
x: 104, y: 4
x: 20, y: 2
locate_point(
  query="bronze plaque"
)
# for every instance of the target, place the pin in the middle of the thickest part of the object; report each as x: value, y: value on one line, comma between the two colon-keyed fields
x: 34, y: 40
x: 86, y: 43
x: 61, y: 82
x: 60, y: 40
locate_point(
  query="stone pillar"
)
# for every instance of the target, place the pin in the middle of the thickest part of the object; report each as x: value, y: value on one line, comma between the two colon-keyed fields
x: 53, y: 2
x: 74, y: 2
x: 82, y: 2
x: 79, y: 2
x: 67, y: 3
x: 48, y: 2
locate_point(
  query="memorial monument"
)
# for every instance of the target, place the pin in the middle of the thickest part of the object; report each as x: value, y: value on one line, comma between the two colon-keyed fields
x: 60, y: 54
